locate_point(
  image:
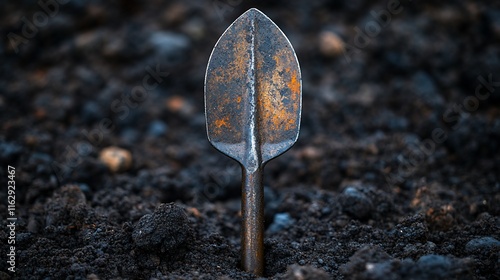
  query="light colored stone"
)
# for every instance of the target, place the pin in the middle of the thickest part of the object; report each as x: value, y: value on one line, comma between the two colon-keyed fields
x: 330, y: 44
x: 116, y: 159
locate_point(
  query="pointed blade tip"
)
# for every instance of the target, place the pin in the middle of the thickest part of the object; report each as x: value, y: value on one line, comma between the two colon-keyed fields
x: 254, y: 12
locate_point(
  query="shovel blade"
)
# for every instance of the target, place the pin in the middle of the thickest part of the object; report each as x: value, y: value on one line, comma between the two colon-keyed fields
x: 253, y: 91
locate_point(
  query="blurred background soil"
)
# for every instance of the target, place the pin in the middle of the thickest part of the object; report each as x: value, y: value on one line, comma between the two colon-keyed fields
x: 395, y: 174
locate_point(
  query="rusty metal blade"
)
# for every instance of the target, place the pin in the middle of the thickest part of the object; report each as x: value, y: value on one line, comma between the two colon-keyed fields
x: 253, y: 100
x: 253, y: 91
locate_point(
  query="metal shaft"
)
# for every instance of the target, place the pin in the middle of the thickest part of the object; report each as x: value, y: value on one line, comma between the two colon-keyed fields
x: 253, y: 100
x: 252, y: 210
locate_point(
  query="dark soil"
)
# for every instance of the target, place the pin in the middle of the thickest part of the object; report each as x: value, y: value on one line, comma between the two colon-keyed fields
x: 396, y: 173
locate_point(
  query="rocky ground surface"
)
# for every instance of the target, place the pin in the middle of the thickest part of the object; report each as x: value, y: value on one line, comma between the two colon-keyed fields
x: 395, y: 174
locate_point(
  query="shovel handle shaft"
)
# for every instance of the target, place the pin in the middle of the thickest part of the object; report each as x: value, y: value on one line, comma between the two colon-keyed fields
x: 252, y: 210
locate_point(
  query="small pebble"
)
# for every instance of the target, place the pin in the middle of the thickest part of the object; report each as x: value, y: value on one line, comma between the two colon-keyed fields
x: 355, y: 203
x: 180, y: 105
x: 281, y: 221
x: 91, y: 112
x: 116, y: 159
x: 84, y: 188
x: 326, y: 210
x: 175, y: 13
x: 435, y: 266
x: 157, y: 128
x: 367, y: 263
x: 195, y: 28
x: 482, y: 245
x: 308, y: 272
x: 92, y: 277
x: 169, y: 44
x: 130, y: 135
x: 195, y: 212
x: 310, y: 152
x: 9, y: 150
x: 330, y: 44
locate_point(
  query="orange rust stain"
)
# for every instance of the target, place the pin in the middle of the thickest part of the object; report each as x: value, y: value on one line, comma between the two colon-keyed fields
x: 222, y: 122
x: 222, y: 84
x: 277, y: 59
x: 223, y: 101
x: 294, y: 86
x: 276, y: 114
